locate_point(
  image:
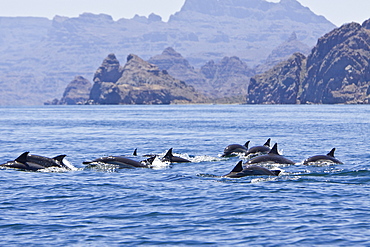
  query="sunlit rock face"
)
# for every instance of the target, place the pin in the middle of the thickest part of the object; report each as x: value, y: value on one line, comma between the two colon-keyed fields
x: 139, y: 82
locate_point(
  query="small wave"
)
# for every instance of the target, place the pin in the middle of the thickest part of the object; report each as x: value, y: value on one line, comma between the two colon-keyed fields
x: 355, y: 173
x: 318, y: 163
x: 205, y: 158
x: 263, y: 179
x: 271, y: 165
x: 102, y: 167
x: 176, y: 177
x: 206, y: 175
x: 57, y: 170
x: 69, y: 165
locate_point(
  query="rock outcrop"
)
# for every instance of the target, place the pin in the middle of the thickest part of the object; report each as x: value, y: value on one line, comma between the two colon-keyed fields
x: 76, y: 93
x: 139, y: 82
x: 177, y: 66
x: 279, y: 85
x: 336, y: 71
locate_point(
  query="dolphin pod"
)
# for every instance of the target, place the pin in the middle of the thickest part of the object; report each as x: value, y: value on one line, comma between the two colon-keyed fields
x: 30, y: 162
x: 253, y: 166
x: 237, y: 149
x: 127, y: 163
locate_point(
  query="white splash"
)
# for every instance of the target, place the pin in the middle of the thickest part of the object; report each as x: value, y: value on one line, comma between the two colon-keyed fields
x: 69, y: 165
x: 158, y: 164
x: 205, y: 158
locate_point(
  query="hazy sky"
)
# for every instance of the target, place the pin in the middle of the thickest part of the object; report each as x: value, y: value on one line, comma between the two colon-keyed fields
x: 336, y: 11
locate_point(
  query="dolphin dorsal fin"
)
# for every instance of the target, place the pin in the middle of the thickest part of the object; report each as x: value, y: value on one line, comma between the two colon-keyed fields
x: 238, y: 167
x: 274, y: 150
x: 22, y: 158
x: 247, y: 144
x: 169, y: 154
x: 276, y: 172
x: 59, y: 157
x: 267, y: 143
x: 331, y: 153
x: 135, y: 152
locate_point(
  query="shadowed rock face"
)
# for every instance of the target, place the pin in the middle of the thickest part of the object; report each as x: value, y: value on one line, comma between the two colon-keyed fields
x: 279, y: 85
x: 139, y: 82
x: 77, y: 92
x: 336, y: 71
x: 104, y: 90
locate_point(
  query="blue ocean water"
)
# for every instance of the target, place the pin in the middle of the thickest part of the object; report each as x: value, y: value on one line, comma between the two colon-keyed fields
x: 186, y: 204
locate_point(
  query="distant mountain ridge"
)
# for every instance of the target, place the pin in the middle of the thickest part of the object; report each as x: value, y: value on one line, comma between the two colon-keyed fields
x: 41, y: 56
x: 226, y: 81
x: 285, y: 9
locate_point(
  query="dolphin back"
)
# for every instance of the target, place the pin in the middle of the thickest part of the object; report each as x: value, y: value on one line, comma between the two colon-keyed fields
x: 323, y: 158
x: 236, y: 148
x: 252, y: 170
x: 119, y: 161
x: 174, y: 159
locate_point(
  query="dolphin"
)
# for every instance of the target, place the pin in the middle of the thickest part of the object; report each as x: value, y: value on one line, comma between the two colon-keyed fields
x: 323, y: 158
x: 236, y: 148
x: 31, y: 162
x: 120, y: 161
x: 149, y: 162
x: 173, y: 159
x: 260, y: 149
x: 272, y: 157
x: 253, y: 170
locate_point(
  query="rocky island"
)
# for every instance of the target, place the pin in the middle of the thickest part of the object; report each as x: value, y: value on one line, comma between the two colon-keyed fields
x: 137, y: 82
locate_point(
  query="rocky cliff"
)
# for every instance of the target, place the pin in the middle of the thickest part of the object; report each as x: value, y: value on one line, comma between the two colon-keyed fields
x: 336, y: 71
x: 40, y: 56
x: 139, y: 82
x: 281, y: 84
x: 76, y: 93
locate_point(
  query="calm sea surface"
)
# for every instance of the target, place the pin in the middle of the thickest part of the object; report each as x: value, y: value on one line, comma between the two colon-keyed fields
x: 186, y: 204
